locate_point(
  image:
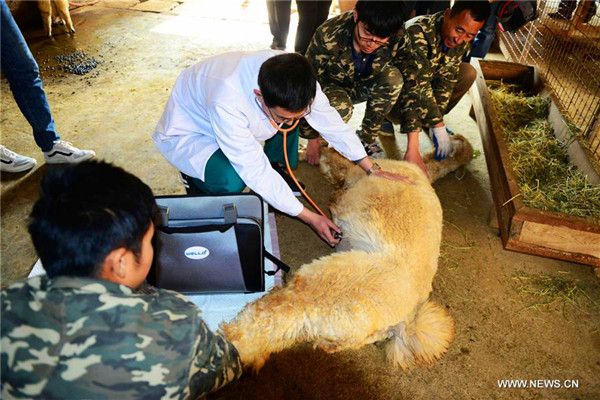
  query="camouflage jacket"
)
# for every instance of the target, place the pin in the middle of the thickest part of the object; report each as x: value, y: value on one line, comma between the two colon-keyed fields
x: 85, y: 338
x: 425, y: 96
x: 330, y: 52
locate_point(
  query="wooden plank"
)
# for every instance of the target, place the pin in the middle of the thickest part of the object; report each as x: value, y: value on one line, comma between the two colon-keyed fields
x: 500, y: 191
x: 494, y: 130
x: 561, y: 238
x: 558, y: 219
x: 508, y: 72
x: 515, y: 243
x: 525, y: 229
x: 527, y: 248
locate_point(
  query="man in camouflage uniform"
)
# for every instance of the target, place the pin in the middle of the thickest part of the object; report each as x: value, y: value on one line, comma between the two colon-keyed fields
x: 356, y: 57
x: 82, y: 331
x: 438, y: 44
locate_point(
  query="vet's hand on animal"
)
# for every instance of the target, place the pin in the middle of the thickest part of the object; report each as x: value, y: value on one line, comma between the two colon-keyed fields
x: 392, y: 176
x: 321, y: 225
x: 313, y: 151
x: 440, y: 134
x: 413, y: 156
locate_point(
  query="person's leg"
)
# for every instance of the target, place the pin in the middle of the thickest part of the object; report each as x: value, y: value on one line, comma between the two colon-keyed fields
x: 219, y: 176
x: 339, y: 99
x: 323, y: 7
x: 381, y: 93
x: 279, y: 22
x: 23, y: 75
x: 274, y: 148
x: 306, y: 15
x: 485, y: 36
x: 466, y: 77
x: 311, y: 14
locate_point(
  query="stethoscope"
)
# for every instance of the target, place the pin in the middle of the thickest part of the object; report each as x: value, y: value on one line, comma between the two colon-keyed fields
x: 285, y: 131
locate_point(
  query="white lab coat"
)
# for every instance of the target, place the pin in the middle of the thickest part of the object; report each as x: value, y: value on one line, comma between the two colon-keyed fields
x: 213, y: 106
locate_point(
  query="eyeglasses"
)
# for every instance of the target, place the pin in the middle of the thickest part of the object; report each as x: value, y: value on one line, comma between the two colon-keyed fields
x: 281, y: 120
x: 369, y: 40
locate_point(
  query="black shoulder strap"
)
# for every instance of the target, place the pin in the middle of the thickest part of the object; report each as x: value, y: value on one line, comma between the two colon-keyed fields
x: 280, y: 264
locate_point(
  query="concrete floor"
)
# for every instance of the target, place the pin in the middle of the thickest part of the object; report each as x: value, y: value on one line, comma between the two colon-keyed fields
x: 114, y: 113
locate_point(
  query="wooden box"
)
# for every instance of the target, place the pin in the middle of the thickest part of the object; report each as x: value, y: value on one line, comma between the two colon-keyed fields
x: 525, y: 229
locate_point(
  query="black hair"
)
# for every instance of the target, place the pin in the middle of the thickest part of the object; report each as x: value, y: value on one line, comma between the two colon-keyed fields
x: 287, y: 81
x: 479, y: 10
x: 383, y: 18
x: 84, y: 212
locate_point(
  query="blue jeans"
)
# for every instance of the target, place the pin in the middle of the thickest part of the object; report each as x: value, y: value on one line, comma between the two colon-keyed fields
x: 23, y: 75
x: 485, y: 37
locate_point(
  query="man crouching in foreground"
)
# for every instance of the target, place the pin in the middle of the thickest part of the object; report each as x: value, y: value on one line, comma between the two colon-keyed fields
x: 82, y: 331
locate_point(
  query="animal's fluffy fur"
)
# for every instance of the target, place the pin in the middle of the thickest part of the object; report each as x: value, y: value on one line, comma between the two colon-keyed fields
x: 342, y: 172
x: 378, y: 290
x: 55, y: 12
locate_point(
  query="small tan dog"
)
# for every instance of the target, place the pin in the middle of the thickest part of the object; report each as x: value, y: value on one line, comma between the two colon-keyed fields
x: 55, y: 12
x: 377, y: 290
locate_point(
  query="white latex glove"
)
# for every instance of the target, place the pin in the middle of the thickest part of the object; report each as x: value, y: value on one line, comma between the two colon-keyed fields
x: 440, y: 136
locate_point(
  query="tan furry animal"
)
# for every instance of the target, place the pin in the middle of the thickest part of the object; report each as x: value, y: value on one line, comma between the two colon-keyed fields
x: 55, y: 12
x: 462, y: 153
x: 377, y: 291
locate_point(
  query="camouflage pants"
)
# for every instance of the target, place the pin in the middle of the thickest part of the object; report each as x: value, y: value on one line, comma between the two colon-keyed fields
x: 380, y: 92
x: 465, y: 79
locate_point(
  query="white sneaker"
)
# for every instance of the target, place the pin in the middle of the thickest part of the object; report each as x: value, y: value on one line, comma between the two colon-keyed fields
x: 65, y: 152
x: 13, y: 162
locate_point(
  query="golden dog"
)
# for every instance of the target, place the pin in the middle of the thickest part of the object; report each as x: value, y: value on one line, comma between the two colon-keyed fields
x: 376, y: 290
x: 55, y: 12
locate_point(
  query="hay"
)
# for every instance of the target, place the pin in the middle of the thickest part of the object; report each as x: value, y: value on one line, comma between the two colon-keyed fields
x: 549, y: 290
x: 539, y: 160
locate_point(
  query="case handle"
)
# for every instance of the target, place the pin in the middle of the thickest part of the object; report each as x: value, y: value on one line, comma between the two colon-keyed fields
x: 230, y: 213
x: 278, y: 263
x: 161, y: 216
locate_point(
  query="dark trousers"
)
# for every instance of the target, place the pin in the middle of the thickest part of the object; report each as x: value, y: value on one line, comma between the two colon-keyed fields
x: 311, y: 14
x: 279, y: 22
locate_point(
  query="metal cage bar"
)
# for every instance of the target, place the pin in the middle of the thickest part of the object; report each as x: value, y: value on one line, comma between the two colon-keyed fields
x: 563, y: 43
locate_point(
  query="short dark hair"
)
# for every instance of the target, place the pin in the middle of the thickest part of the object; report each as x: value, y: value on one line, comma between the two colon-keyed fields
x: 287, y: 81
x: 479, y: 10
x: 84, y: 212
x: 383, y: 18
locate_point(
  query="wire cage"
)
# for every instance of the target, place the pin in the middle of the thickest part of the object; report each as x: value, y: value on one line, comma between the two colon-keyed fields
x: 563, y: 44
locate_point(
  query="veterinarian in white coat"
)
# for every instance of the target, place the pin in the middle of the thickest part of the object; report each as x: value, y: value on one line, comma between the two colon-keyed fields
x: 218, y: 114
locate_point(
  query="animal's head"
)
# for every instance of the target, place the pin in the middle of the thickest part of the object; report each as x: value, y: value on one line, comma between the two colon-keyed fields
x: 462, y: 154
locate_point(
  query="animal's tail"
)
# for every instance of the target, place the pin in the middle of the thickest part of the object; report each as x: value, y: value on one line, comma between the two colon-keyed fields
x: 423, y: 340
